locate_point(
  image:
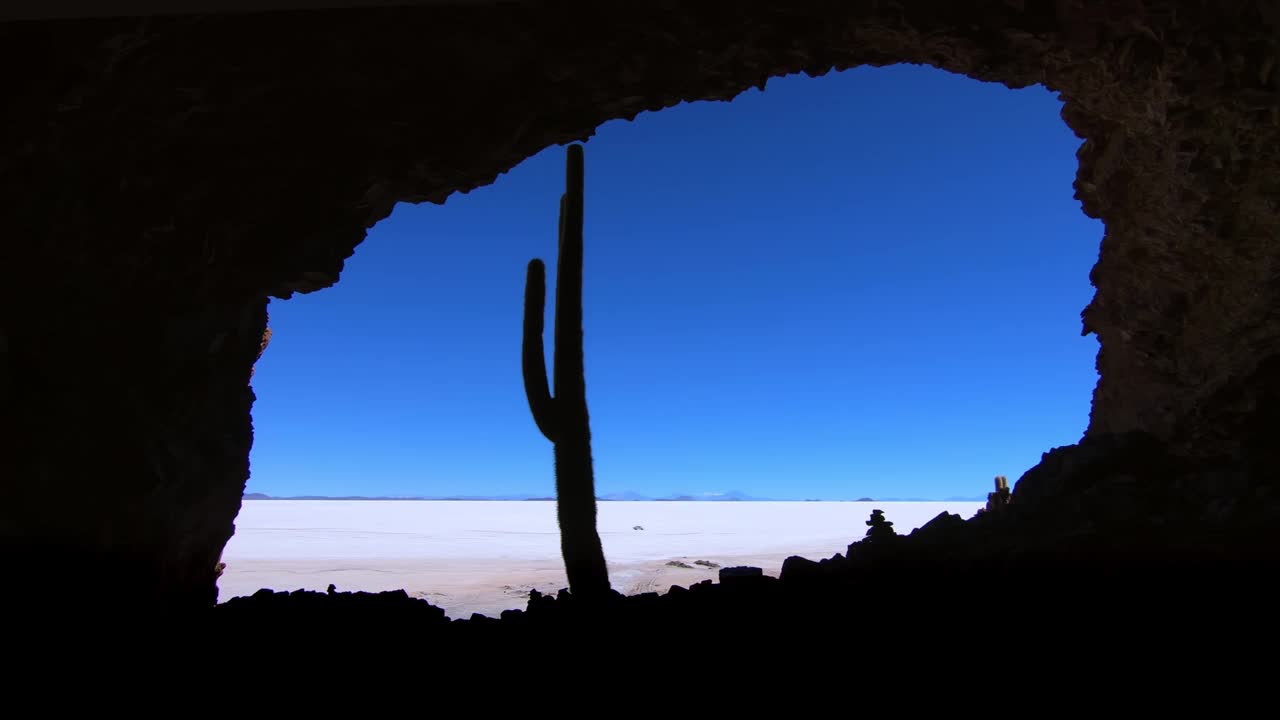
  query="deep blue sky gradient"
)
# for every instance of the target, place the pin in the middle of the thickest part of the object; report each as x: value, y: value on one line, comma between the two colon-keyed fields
x: 864, y: 284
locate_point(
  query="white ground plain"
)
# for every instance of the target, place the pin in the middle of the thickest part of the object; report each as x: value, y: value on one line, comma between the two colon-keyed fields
x: 484, y: 557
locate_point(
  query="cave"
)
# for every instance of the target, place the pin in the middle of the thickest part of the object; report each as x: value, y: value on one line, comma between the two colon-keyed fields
x: 168, y: 173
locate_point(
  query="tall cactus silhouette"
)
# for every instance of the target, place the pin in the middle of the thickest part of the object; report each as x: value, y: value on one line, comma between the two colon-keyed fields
x: 563, y: 418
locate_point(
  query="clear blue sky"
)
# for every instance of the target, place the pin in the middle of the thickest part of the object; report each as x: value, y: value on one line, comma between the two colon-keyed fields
x: 864, y: 284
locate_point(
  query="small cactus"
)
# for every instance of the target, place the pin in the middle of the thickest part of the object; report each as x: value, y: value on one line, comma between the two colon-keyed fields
x: 1001, y: 497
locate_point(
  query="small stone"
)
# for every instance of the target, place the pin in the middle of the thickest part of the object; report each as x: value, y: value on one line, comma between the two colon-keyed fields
x: 740, y: 571
x: 798, y: 569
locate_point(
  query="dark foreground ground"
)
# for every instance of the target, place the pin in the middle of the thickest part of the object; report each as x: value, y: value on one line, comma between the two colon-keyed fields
x: 1154, y: 599
x: 1106, y: 552
x: 1103, y: 542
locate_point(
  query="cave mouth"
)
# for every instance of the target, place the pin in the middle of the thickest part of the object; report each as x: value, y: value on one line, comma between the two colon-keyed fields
x: 163, y: 189
x: 886, y: 258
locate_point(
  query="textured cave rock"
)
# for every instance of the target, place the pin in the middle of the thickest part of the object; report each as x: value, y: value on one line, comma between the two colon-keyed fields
x: 164, y: 176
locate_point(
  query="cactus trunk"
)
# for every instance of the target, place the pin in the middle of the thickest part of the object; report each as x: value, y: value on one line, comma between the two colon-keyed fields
x: 563, y: 417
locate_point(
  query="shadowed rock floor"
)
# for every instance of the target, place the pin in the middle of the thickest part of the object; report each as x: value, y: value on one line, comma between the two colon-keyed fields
x: 1110, y: 551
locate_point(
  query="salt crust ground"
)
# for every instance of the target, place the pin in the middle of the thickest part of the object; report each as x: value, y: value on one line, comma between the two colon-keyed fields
x: 484, y: 557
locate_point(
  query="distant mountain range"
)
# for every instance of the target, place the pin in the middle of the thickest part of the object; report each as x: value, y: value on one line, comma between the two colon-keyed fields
x: 624, y: 496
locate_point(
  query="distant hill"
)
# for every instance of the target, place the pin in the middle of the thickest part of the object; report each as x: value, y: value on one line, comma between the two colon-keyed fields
x: 730, y: 496
x: 626, y: 495
x: 513, y: 496
x: 733, y: 495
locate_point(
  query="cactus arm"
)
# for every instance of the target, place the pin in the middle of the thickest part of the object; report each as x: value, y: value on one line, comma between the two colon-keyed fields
x: 534, y: 363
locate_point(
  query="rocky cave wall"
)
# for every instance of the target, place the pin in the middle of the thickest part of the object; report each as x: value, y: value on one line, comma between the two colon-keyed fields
x: 164, y: 176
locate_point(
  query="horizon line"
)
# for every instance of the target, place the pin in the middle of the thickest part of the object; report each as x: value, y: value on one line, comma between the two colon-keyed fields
x: 547, y: 498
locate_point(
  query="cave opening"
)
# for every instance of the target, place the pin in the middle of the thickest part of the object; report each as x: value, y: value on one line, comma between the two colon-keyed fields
x: 865, y: 284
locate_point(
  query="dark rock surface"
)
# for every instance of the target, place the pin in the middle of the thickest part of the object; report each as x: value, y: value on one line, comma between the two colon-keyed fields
x: 164, y: 176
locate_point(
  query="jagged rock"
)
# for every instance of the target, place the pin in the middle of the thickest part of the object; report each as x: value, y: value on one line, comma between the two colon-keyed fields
x: 796, y: 569
x: 302, y: 604
x: 943, y: 522
x: 740, y: 575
